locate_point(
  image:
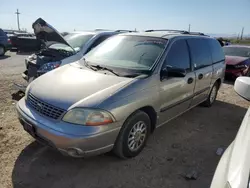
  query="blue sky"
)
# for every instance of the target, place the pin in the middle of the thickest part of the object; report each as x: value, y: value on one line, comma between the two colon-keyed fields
x: 209, y: 16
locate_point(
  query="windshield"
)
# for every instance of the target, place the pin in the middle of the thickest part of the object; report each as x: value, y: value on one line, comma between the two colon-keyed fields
x: 128, y: 52
x: 237, y: 51
x: 77, y: 40
x: 60, y: 46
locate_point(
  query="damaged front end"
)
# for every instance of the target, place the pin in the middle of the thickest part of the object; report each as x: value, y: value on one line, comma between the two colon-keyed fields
x: 44, y: 61
x: 54, y: 49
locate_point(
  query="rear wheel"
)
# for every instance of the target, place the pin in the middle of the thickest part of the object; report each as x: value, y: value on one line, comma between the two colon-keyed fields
x: 2, y: 50
x: 212, y: 95
x: 133, y: 135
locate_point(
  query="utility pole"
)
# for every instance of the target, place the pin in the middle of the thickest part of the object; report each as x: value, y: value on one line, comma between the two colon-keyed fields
x: 17, y: 17
x: 242, y: 31
x: 189, y: 27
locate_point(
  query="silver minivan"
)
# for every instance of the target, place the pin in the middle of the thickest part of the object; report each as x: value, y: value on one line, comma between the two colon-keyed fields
x: 122, y: 90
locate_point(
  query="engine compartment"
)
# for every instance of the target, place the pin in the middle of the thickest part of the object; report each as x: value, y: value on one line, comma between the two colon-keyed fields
x: 46, y: 55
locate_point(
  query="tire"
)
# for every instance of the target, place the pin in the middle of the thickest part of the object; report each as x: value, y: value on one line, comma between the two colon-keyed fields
x: 212, y: 96
x: 123, y: 145
x: 2, y: 50
x: 248, y: 73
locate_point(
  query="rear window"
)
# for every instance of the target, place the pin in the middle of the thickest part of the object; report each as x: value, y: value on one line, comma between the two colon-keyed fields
x: 200, y: 52
x: 216, y: 51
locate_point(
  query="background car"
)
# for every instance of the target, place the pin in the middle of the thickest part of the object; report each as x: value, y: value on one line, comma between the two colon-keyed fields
x: 4, y: 42
x: 234, y: 166
x: 237, y: 60
x: 23, y: 42
x: 58, y: 50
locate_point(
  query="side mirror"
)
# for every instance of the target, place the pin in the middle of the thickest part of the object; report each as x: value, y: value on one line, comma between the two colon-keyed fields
x: 242, y: 87
x: 173, y: 72
x: 176, y: 72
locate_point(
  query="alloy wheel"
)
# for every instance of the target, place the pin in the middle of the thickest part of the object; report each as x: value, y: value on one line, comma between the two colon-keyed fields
x: 137, y: 136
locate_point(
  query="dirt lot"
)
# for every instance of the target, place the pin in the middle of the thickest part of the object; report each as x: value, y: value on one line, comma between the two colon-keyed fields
x: 184, y: 144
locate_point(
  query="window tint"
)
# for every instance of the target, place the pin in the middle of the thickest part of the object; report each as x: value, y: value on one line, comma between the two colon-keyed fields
x: 178, y: 56
x: 216, y: 50
x: 200, y: 52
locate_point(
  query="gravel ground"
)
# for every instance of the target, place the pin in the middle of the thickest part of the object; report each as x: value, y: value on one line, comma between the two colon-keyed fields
x: 184, y: 144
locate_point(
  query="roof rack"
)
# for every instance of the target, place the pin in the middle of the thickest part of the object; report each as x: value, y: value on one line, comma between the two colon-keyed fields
x: 119, y: 30
x: 170, y: 30
x: 197, y: 33
x: 178, y: 31
x: 124, y: 30
x: 102, y: 30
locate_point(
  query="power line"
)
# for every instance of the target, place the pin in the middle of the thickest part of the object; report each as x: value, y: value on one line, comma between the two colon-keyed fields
x: 17, y: 17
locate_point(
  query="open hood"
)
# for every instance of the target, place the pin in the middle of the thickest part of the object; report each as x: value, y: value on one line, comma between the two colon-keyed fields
x: 47, y: 33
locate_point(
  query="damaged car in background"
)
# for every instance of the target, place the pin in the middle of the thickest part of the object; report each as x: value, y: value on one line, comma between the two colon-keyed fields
x: 237, y: 60
x: 57, y: 50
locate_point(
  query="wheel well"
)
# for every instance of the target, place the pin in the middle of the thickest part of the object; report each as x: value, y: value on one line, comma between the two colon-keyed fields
x: 2, y: 46
x: 219, y: 82
x: 152, y: 115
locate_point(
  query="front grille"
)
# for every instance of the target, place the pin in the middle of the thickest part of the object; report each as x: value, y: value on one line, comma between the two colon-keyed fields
x: 44, y: 108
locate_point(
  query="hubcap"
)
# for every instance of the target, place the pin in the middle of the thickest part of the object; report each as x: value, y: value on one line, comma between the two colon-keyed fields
x: 137, y: 136
x: 1, y: 50
x: 213, y: 94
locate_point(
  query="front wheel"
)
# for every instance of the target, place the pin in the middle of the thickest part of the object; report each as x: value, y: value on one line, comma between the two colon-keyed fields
x: 133, y: 135
x: 212, y: 96
x: 2, y: 50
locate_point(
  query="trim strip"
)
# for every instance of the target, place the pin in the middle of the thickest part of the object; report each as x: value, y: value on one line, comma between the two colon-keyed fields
x: 175, y: 104
x: 201, y: 91
x: 184, y: 100
x: 219, y: 61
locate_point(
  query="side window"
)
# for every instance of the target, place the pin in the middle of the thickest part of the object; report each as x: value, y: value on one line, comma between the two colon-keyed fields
x: 200, y: 52
x: 99, y: 41
x: 178, y: 56
x: 216, y: 51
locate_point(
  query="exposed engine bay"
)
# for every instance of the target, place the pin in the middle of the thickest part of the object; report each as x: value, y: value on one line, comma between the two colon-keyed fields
x: 37, y: 60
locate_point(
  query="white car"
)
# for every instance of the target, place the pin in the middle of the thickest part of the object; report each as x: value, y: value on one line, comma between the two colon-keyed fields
x: 234, y: 166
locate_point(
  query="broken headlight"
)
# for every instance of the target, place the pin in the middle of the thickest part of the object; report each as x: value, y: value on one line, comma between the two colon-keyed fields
x: 49, y: 66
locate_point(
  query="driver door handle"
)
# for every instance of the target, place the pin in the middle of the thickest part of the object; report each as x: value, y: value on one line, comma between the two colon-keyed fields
x: 200, y: 76
x: 190, y: 80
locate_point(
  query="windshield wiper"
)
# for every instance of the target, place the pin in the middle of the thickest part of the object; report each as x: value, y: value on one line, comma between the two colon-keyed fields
x: 99, y: 67
x: 88, y: 65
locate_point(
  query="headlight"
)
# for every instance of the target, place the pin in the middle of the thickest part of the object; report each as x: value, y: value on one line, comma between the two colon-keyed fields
x: 240, y: 66
x: 50, y: 66
x: 88, y: 117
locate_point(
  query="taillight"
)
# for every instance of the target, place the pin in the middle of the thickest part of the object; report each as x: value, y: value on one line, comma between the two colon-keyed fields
x: 9, y: 41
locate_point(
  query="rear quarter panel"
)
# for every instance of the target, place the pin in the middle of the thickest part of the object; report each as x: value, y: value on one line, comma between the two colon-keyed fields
x: 218, y: 72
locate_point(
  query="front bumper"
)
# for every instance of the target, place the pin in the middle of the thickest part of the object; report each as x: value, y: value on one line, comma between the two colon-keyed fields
x: 235, y: 73
x: 87, y: 141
